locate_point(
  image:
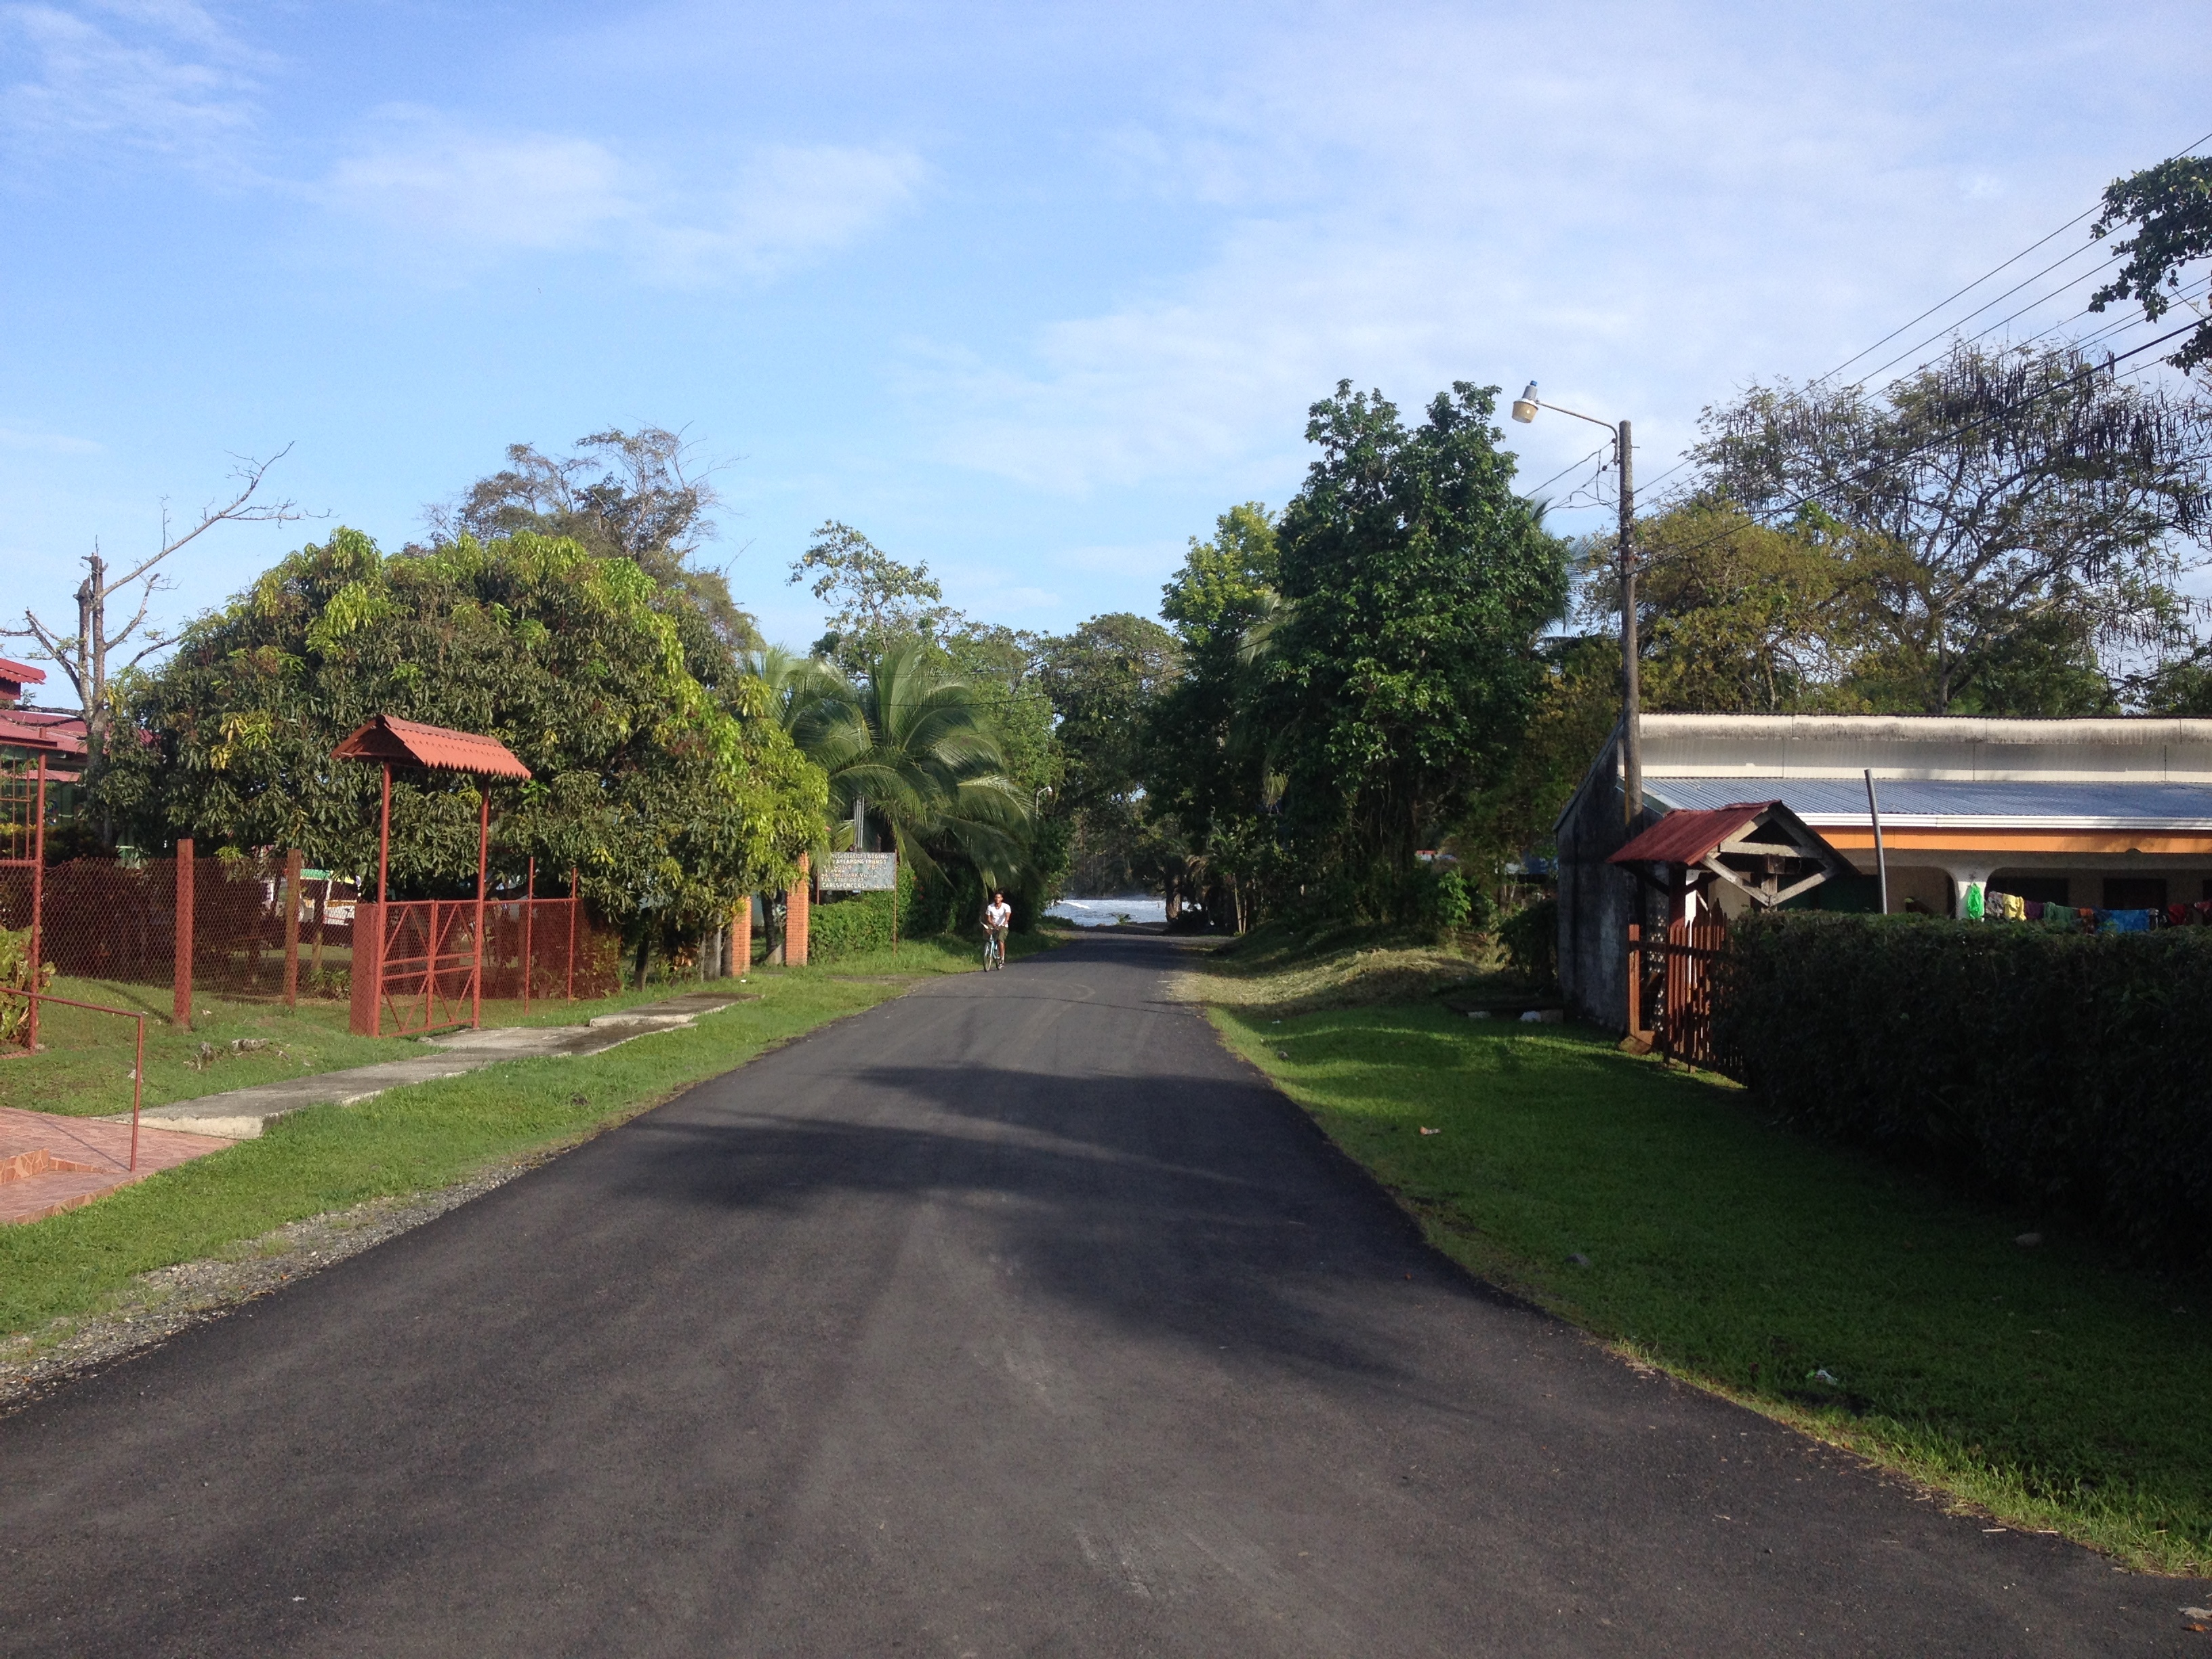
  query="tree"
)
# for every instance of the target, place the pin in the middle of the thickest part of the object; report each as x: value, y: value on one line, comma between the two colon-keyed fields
x: 2026, y: 494
x: 2171, y: 204
x: 1104, y: 680
x: 916, y: 745
x: 1399, y: 685
x: 87, y: 655
x: 879, y: 603
x: 623, y: 495
x: 1211, y: 789
x: 660, y: 773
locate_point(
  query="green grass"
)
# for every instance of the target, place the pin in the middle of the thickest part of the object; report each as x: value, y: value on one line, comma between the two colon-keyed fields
x: 84, y: 1068
x: 423, y: 1137
x: 2056, y: 1386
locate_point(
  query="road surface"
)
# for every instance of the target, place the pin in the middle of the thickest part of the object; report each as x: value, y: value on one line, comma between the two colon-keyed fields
x: 1014, y: 1316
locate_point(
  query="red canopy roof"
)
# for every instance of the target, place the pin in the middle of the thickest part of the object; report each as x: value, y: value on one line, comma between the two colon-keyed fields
x: 410, y: 743
x: 1686, y: 837
x: 49, y: 729
x: 21, y: 672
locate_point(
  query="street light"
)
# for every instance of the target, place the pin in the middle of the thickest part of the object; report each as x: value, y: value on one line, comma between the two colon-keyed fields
x: 1631, y: 723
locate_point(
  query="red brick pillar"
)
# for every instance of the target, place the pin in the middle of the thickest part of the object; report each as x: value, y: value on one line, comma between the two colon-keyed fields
x: 741, y: 937
x: 794, y: 919
x: 181, y: 973
x: 368, y: 975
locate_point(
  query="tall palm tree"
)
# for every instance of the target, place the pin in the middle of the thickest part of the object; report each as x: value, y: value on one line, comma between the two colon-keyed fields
x: 907, y: 744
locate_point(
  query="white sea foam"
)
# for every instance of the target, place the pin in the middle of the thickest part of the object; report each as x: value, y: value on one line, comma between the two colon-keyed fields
x: 1108, y: 912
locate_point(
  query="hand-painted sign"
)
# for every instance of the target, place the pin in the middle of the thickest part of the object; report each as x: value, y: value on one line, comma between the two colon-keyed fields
x: 859, y: 872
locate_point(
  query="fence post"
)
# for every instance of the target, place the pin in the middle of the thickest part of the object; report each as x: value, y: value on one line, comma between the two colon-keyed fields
x: 38, y: 901
x: 367, y: 969
x: 1635, y: 979
x: 795, y: 919
x: 529, y: 909
x: 293, y: 865
x: 741, y: 937
x: 574, y: 906
x: 181, y: 974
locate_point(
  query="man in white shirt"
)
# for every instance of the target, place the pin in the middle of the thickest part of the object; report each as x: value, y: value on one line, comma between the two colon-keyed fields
x: 998, y: 916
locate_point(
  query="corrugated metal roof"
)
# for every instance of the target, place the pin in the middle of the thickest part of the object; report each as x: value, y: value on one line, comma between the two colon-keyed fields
x: 410, y: 743
x: 21, y: 672
x: 58, y: 734
x: 1684, y: 837
x: 1950, y: 802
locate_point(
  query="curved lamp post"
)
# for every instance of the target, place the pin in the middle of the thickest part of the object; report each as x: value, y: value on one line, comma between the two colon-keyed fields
x: 1632, y: 732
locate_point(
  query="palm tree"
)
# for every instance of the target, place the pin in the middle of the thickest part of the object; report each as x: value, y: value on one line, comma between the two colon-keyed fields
x: 910, y: 746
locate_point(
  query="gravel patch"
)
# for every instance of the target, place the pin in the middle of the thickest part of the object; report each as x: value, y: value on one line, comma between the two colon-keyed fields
x: 157, y: 1305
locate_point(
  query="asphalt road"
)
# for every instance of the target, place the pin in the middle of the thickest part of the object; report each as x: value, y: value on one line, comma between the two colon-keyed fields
x: 1014, y: 1316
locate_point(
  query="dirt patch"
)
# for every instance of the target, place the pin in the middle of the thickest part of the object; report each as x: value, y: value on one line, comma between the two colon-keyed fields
x: 155, y: 1306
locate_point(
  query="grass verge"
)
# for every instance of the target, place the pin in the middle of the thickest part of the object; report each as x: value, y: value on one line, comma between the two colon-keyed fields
x: 2056, y: 1387
x: 421, y: 1138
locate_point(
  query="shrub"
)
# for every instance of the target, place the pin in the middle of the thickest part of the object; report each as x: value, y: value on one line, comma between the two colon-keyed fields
x: 854, y: 923
x: 1531, y: 937
x: 2058, y: 1070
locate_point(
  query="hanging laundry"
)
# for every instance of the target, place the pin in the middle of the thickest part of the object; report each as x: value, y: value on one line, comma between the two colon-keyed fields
x: 2130, y: 921
x: 2015, y: 907
x: 1971, y: 905
x: 2032, y: 911
x: 2177, y: 915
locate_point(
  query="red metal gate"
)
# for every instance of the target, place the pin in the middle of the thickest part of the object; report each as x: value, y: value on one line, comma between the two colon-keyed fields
x: 1670, y: 989
x: 416, y: 967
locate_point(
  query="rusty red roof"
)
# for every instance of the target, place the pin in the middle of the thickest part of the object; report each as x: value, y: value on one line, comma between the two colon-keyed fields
x: 21, y: 672
x: 1686, y: 837
x: 410, y: 743
x: 38, y: 728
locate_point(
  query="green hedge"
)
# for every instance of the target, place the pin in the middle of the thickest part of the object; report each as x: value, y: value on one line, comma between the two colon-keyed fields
x: 2068, y: 1072
x: 851, y: 924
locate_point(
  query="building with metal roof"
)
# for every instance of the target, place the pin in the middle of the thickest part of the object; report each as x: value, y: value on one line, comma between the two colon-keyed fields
x: 2113, y: 814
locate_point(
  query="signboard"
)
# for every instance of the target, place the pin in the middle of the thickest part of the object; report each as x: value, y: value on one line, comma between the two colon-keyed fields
x: 859, y: 872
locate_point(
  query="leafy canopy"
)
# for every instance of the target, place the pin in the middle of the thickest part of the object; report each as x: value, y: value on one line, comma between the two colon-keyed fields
x: 658, y: 772
x: 1399, y: 685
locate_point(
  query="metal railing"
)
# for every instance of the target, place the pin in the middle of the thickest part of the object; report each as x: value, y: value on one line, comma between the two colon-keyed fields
x: 139, y: 1052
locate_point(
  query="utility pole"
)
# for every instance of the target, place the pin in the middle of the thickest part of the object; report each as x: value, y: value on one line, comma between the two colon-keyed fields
x: 1631, y: 687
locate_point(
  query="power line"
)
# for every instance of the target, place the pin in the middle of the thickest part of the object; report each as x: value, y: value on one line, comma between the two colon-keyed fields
x: 1563, y: 471
x: 1807, y: 500
x: 1979, y: 281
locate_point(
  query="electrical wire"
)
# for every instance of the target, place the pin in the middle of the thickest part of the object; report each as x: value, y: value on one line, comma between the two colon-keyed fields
x: 2111, y: 364
x: 1979, y: 280
x: 1563, y: 471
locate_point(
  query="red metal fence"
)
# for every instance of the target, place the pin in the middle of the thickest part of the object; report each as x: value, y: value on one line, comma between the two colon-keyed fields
x: 22, y: 1037
x: 415, y: 968
x: 230, y: 928
x: 1670, y: 989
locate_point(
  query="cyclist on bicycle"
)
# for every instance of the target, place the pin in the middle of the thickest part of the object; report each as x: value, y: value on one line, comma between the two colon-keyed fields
x: 998, y: 916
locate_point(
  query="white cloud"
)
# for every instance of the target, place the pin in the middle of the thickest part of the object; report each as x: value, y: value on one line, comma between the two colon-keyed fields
x: 1407, y: 198
x: 427, y: 179
x: 791, y: 204
x: 46, y: 443
x: 159, y: 76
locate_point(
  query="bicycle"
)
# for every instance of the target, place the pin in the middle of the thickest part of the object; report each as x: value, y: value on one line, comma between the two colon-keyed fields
x: 995, y: 950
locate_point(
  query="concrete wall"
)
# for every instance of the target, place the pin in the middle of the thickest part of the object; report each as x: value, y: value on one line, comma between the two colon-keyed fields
x: 1597, y: 900
x: 1928, y: 747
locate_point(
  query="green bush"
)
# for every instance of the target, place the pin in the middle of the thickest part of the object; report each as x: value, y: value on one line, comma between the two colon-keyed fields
x: 1531, y: 937
x: 2066, y: 1071
x: 854, y: 923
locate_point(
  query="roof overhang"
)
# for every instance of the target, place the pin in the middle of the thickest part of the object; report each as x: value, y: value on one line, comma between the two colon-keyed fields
x: 1760, y: 847
x: 398, y: 742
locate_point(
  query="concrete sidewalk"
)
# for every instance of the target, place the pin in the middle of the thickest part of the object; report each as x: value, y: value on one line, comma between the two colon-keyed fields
x: 241, y: 1113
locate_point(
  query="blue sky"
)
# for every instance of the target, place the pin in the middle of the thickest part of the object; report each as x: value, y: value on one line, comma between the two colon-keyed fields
x: 1029, y: 293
